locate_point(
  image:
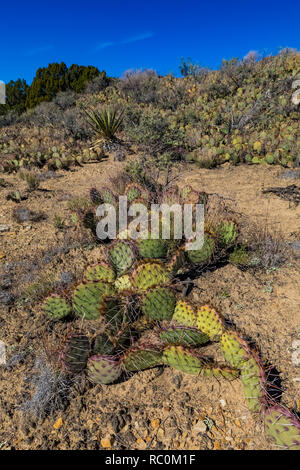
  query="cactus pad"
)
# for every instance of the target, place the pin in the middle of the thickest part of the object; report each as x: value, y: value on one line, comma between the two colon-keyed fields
x: 252, y: 378
x: 122, y: 256
x: 152, y: 248
x: 208, y: 321
x: 123, y: 283
x: 88, y: 297
x: 148, y: 275
x: 182, y: 359
x: 159, y: 304
x: 227, y: 232
x: 283, y: 427
x: 75, y: 354
x: 103, y: 369
x: 183, y: 336
x: 108, y: 197
x: 100, y: 272
x: 184, y: 314
x: 234, y: 349
x: 142, y: 358
x: 204, y: 254
x: 56, y: 307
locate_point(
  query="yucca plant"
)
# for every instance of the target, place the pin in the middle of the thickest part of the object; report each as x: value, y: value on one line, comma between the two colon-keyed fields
x: 105, y: 122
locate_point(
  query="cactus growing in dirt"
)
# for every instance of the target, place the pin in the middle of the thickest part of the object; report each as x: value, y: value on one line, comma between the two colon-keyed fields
x: 204, y: 254
x: 56, y: 307
x: 100, y: 272
x: 143, y: 357
x: 88, y: 298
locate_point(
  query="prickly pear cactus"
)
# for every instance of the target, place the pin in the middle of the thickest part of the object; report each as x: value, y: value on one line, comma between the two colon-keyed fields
x: 254, y: 384
x: 76, y: 352
x: 123, y: 283
x: 184, y: 314
x: 103, y: 345
x: 100, y: 272
x: 204, y: 254
x: 152, y: 248
x: 103, y: 369
x: 283, y: 427
x: 88, y: 298
x: 208, y: 321
x: 122, y: 256
x: 142, y: 358
x: 135, y: 191
x: 183, y: 336
x: 182, y: 359
x: 95, y: 196
x: 227, y: 232
x: 159, y: 303
x: 234, y: 349
x: 56, y: 307
x: 108, y: 197
x: 148, y: 275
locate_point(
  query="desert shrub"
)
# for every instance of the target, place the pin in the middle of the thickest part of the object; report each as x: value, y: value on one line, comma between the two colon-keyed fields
x: 98, y: 84
x: 8, y: 119
x: 154, y: 132
x: 74, y: 123
x: 140, y: 85
x: 65, y: 99
x: 31, y: 179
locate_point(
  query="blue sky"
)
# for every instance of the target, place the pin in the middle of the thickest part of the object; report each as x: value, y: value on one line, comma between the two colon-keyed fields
x: 122, y: 34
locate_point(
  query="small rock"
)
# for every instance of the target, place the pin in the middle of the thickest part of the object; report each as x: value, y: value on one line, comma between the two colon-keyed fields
x: 22, y: 214
x: 6, y: 298
x: 290, y: 174
x: 5, y: 228
x: 5, y: 283
x: 223, y: 403
x: 199, y: 427
x: 66, y: 278
x: 119, y: 156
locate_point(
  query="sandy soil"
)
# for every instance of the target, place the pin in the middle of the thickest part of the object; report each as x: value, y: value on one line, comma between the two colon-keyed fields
x: 160, y: 408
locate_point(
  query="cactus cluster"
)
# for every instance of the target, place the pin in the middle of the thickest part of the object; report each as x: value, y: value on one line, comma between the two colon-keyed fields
x: 133, y: 318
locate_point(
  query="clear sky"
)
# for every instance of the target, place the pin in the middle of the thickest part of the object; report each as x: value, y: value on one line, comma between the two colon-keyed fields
x: 116, y: 35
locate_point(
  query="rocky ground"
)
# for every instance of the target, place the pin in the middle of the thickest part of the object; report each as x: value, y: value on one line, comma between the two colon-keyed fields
x: 40, y: 246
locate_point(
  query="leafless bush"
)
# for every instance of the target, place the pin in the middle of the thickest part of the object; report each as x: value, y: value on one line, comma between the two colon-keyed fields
x: 98, y: 84
x: 141, y: 85
x: 267, y: 245
x: 51, y: 390
x: 75, y: 124
x: 65, y: 99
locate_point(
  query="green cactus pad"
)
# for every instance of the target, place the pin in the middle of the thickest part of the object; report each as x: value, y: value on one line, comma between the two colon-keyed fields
x: 111, y: 309
x: 100, y: 272
x: 102, y: 369
x: 122, y: 256
x: 148, y: 275
x: 88, y: 297
x: 56, y: 307
x: 208, y: 321
x: 185, y: 192
x: 234, y: 349
x: 227, y: 232
x: 159, y: 304
x: 183, y: 336
x: 108, y: 197
x: 283, y: 427
x: 151, y: 248
x: 182, y: 359
x: 184, y: 314
x: 76, y: 352
x: 252, y: 378
x: 142, y: 358
x: 204, y: 254
x: 123, y: 283
x: 220, y: 373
